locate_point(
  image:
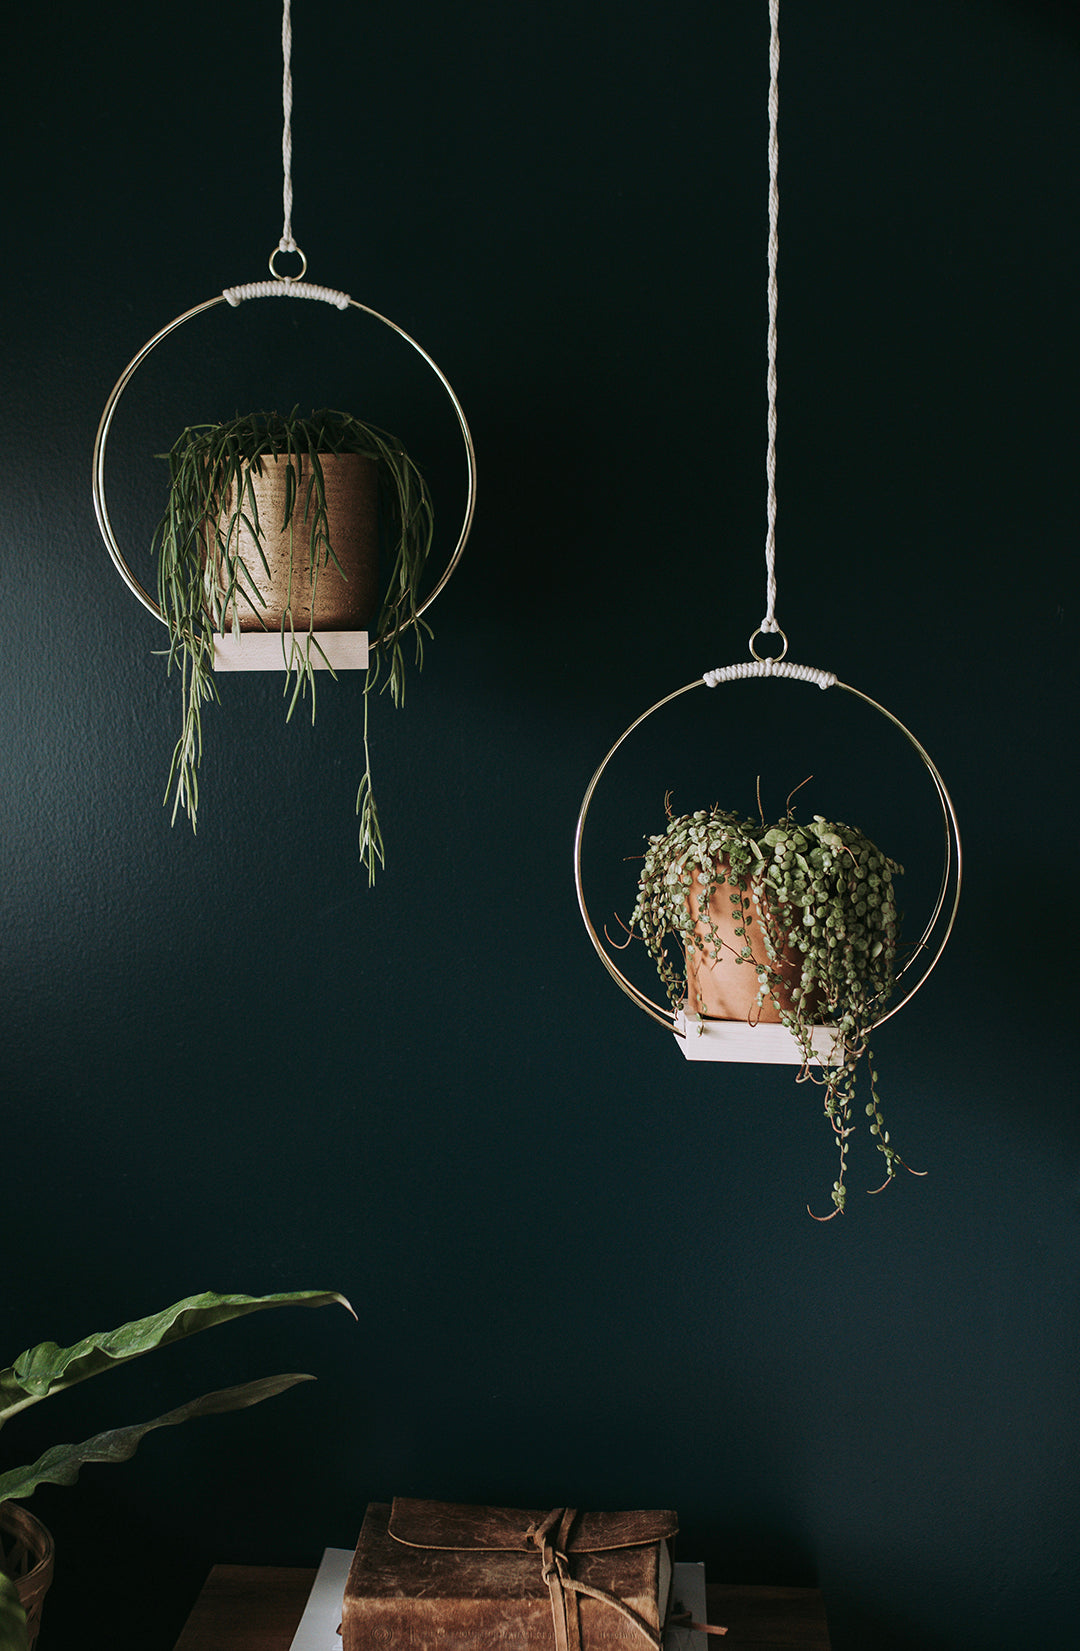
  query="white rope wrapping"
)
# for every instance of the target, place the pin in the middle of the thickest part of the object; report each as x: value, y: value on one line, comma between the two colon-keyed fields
x: 768, y: 667
x: 286, y: 244
x: 768, y: 624
x: 286, y: 289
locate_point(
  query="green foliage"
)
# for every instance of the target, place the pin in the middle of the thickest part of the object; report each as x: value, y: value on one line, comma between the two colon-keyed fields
x: 12, y: 1617
x: 210, y: 463
x: 45, y: 1370
x: 61, y: 1463
x: 822, y: 894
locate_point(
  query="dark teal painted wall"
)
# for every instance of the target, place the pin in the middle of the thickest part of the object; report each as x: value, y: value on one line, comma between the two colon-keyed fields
x: 583, y: 1269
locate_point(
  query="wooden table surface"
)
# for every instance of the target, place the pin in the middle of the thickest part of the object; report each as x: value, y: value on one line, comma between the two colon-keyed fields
x: 258, y: 1608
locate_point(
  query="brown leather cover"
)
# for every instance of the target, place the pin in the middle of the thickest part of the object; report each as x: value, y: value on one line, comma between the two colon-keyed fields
x: 441, y: 1576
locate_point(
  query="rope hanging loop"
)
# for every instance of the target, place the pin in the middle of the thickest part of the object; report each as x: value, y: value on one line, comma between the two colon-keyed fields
x: 768, y: 624
x: 286, y: 244
x: 746, y: 670
x: 285, y: 288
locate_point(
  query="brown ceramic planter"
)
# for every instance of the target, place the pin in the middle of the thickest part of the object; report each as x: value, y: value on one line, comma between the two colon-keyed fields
x: 341, y: 604
x: 26, y: 1554
x: 721, y: 987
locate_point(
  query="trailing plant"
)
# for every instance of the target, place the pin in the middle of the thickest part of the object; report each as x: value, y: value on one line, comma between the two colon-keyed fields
x: 822, y: 895
x: 202, y: 578
x: 12, y: 1616
x: 45, y: 1370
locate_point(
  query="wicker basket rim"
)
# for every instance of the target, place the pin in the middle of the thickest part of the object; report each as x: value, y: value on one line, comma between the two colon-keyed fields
x: 33, y: 1546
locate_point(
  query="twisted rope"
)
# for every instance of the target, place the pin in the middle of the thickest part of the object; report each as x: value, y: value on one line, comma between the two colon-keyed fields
x: 769, y: 624
x: 768, y: 667
x: 285, y: 289
x: 286, y: 244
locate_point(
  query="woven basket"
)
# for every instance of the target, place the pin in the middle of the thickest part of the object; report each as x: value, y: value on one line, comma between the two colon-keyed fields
x: 26, y: 1554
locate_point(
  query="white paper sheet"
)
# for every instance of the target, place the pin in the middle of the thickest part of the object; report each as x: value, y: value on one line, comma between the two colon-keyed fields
x: 318, y: 1630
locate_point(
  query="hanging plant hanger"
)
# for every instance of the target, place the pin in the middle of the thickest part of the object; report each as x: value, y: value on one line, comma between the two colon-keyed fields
x: 285, y: 287
x: 777, y: 942
x: 253, y: 570
x: 720, y: 1040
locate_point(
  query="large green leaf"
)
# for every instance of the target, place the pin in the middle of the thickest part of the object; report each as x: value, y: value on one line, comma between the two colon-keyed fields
x: 47, y: 1368
x: 61, y: 1464
x: 12, y: 1617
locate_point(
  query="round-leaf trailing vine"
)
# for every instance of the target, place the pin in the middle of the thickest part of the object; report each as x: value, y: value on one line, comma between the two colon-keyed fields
x: 822, y: 895
x: 202, y: 577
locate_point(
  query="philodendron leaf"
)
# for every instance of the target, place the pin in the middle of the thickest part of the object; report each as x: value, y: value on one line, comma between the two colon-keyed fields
x: 61, y: 1464
x: 47, y: 1369
x: 12, y: 1617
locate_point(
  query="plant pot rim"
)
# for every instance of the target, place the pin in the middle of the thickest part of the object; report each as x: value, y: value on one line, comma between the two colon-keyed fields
x: 38, y: 1547
x: 18, y: 1521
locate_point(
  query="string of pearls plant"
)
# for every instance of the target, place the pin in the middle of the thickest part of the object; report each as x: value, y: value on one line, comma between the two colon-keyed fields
x: 822, y: 896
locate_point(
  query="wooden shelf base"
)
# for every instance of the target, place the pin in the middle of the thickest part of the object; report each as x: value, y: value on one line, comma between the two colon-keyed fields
x: 765, y: 1044
x: 263, y: 650
x: 258, y: 1608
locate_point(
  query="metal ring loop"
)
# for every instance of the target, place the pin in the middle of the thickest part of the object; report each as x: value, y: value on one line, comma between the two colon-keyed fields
x: 301, y: 272
x: 761, y: 658
x: 101, y: 510
x: 953, y: 864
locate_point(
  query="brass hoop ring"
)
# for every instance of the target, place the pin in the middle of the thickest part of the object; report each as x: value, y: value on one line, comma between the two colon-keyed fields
x: 101, y: 510
x: 761, y: 658
x: 953, y: 867
x: 301, y: 272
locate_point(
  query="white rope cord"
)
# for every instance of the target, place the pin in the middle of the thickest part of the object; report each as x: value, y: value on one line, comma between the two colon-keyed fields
x: 768, y: 624
x: 286, y: 244
x: 758, y: 666
x: 768, y: 667
x: 285, y: 289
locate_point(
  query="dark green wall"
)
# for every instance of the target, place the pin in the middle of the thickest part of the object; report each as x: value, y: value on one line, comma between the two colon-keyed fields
x: 584, y: 1269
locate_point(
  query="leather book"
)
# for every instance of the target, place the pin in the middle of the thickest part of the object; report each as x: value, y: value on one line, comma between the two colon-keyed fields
x: 444, y: 1576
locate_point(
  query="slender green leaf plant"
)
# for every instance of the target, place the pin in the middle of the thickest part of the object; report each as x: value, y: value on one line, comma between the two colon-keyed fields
x: 822, y: 896
x: 200, y: 590
x: 46, y: 1370
x: 12, y: 1616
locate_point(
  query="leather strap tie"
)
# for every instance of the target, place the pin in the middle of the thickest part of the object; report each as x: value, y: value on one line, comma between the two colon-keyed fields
x: 684, y: 1619
x: 551, y: 1538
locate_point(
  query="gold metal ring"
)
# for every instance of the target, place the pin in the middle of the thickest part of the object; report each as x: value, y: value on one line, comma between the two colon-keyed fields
x: 301, y: 272
x: 762, y: 657
x: 101, y: 509
x: 950, y: 877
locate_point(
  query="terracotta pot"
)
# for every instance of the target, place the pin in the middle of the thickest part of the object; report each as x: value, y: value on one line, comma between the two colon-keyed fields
x: 341, y: 604
x: 721, y: 987
x: 26, y: 1554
